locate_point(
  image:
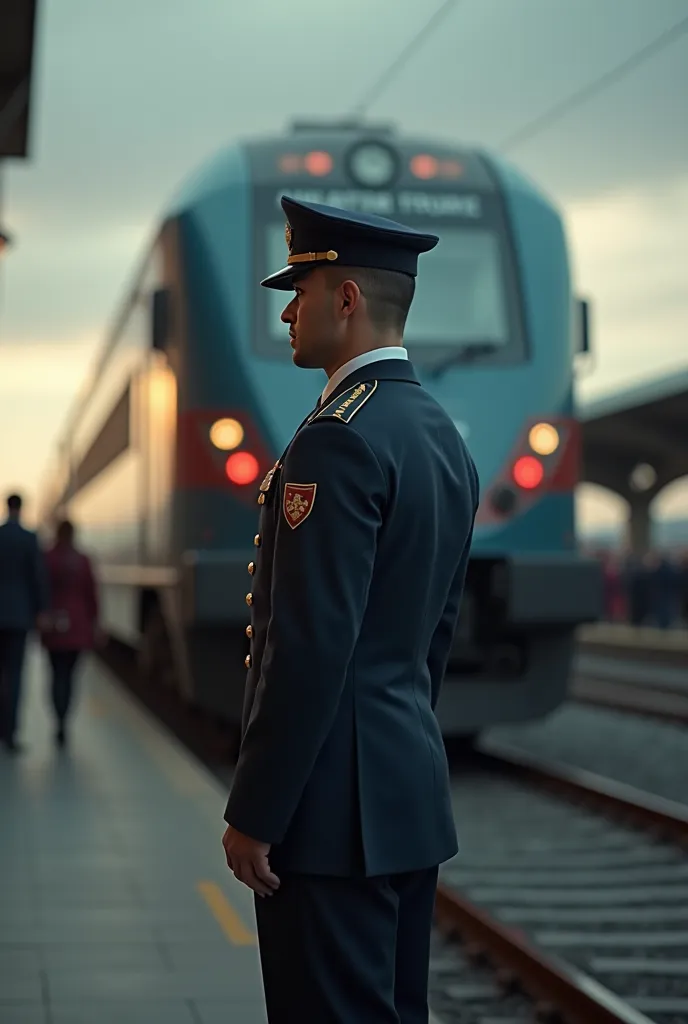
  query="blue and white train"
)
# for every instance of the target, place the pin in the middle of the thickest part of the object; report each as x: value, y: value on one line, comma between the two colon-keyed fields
x: 195, y: 396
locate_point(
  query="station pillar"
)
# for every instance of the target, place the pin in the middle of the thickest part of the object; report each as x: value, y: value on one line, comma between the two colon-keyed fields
x: 639, y: 526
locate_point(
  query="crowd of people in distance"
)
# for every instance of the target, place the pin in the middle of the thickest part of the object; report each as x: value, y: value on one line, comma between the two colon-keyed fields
x: 651, y: 590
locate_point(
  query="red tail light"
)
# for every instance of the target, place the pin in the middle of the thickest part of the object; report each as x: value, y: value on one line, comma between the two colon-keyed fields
x: 528, y: 472
x: 242, y: 468
x: 318, y: 163
x: 423, y: 166
x: 290, y: 163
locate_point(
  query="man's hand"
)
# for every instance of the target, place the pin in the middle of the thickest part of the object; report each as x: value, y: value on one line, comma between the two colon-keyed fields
x: 248, y: 859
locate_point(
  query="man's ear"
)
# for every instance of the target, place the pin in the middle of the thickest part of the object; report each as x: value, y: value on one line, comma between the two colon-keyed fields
x: 350, y: 296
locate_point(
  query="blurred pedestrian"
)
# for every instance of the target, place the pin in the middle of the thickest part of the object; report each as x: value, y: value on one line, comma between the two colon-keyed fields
x: 23, y: 598
x: 664, y: 590
x: 635, y: 575
x: 614, y: 602
x: 73, y: 619
x: 683, y: 587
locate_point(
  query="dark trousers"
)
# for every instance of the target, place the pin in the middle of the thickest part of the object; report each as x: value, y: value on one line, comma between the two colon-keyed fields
x: 12, y: 646
x: 63, y: 664
x: 347, y: 950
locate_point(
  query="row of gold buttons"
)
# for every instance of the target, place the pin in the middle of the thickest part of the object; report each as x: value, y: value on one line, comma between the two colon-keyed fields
x: 249, y: 597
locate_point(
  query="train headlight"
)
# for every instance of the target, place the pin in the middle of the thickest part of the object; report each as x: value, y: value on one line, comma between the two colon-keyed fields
x: 226, y: 434
x: 543, y: 438
x: 242, y: 468
x: 372, y: 164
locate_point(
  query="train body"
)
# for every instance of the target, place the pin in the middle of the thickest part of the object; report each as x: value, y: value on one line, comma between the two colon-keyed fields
x: 195, y: 396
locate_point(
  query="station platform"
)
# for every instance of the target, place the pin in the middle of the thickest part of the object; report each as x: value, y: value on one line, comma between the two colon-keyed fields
x: 116, y: 905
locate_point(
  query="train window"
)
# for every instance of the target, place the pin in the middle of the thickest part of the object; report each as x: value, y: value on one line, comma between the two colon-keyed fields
x: 460, y: 293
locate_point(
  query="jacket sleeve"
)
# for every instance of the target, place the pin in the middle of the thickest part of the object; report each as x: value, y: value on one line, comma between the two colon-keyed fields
x: 321, y: 576
x: 442, y: 638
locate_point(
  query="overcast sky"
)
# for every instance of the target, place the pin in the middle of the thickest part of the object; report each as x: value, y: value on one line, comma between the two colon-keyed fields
x: 131, y: 95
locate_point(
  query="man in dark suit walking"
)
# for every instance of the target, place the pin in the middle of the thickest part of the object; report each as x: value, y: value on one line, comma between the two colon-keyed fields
x: 339, y: 813
x: 23, y: 599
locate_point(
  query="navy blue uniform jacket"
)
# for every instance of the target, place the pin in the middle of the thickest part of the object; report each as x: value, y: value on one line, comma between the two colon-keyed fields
x: 23, y: 577
x: 360, y: 561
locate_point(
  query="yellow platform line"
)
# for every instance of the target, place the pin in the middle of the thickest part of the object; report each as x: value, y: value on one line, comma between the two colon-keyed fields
x: 226, y: 916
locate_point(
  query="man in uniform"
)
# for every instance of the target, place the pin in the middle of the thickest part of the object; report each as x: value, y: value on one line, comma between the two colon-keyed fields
x: 339, y: 812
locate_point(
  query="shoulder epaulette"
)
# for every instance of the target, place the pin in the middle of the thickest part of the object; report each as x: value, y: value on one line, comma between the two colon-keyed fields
x: 344, y: 407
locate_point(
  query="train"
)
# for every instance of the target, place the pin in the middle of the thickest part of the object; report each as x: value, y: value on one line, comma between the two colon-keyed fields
x: 193, y: 396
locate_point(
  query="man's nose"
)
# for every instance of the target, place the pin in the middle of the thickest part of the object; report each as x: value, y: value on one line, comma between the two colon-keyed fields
x: 289, y: 312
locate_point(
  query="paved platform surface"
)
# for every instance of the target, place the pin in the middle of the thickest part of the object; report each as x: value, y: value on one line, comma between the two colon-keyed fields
x: 116, y: 906
x: 634, y: 638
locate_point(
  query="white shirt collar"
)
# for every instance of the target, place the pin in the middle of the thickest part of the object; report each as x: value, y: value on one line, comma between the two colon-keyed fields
x: 376, y: 354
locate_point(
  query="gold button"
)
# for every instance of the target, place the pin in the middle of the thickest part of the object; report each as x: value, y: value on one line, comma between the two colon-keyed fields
x: 247, y: 661
x: 249, y: 599
x: 249, y: 632
x: 256, y: 540
x: 251, y: 568
x: 261, y: 499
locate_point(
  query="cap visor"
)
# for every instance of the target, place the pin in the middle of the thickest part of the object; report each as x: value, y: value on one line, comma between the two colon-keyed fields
x: 282, y: 280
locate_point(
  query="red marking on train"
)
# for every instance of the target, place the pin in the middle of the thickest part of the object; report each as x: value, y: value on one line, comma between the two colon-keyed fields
x: 201, y: 465
x: 567, y: 471
x: 561, y: 470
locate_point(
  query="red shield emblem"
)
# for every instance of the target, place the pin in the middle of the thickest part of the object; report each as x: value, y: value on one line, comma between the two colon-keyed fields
x: 297, y: 503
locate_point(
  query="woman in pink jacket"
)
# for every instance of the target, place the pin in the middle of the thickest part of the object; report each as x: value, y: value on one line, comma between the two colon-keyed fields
x: 72, y: 621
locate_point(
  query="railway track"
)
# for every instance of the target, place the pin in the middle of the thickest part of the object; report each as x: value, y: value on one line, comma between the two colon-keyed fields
x: 579, y: 900
x: 567, y: 903
x: 665, y: 705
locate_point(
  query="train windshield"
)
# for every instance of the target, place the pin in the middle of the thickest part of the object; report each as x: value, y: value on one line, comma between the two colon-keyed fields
x: 461, y: 297
x: 459, y: 291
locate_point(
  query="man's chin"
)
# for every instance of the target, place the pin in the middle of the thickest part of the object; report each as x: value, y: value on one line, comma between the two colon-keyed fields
x: 298, y: 359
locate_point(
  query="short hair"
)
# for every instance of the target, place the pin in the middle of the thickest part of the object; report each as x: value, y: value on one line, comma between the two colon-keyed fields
x: 65, y: 530
x: 14, y: 502
x: 388, y: 295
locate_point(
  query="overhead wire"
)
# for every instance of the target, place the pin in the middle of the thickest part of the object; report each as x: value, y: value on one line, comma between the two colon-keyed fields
x: 383, y: 80
x: 560, y: 109
x: 594, y: 88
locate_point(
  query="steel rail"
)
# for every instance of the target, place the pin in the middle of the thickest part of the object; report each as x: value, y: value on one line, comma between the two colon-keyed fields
x: 561, y: 992
x: 665, y: 819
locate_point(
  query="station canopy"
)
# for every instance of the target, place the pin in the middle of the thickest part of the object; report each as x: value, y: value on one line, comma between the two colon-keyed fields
x: 637, y: 439
x: 17, y: 31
